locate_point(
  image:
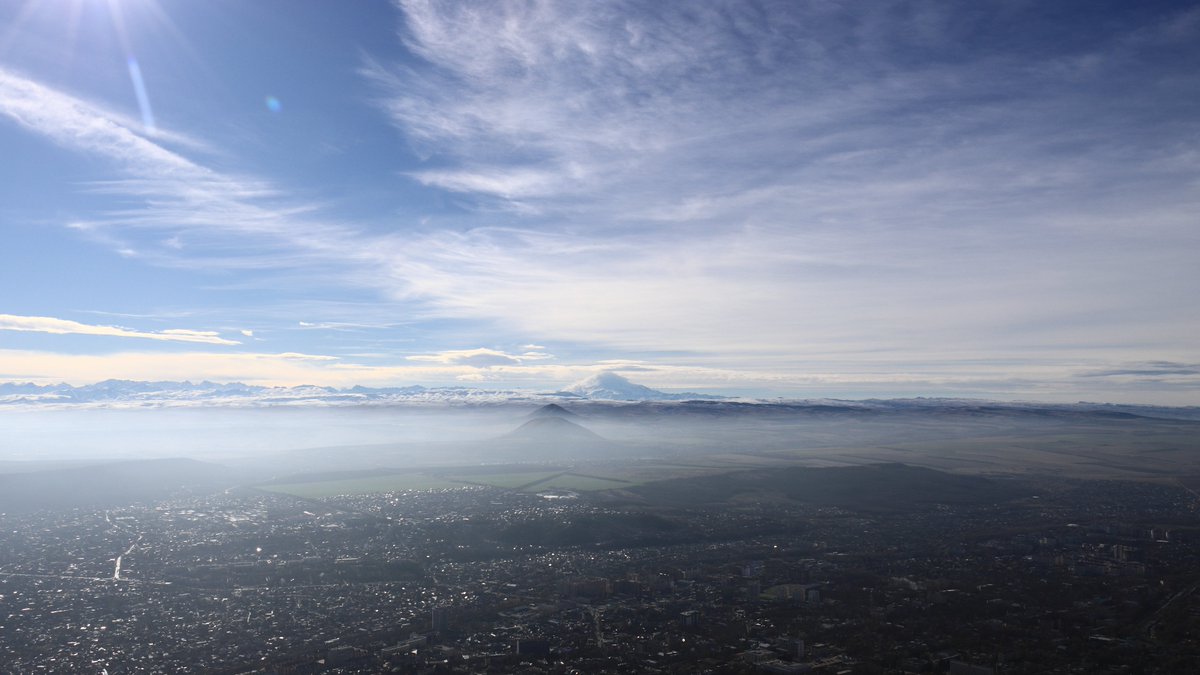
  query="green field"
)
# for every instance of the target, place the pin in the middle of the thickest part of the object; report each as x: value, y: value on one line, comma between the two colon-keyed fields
x: 361, y: 486
x: 578, y: 483
x: 504, y: 479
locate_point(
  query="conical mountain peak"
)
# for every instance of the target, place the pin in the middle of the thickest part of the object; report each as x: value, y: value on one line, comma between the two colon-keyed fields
x: 552, y: 410
x: 552, y: 429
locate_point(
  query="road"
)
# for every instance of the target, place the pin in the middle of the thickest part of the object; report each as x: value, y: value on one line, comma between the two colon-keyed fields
x: 117, y: 567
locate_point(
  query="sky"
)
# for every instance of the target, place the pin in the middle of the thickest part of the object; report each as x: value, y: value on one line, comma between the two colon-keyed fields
x: 800, y: 199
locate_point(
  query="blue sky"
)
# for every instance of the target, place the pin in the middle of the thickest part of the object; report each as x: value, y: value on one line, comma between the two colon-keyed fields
x: 795, y: 198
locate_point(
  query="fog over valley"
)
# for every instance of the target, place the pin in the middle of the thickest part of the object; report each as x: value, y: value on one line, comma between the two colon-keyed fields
x: 320, y: 434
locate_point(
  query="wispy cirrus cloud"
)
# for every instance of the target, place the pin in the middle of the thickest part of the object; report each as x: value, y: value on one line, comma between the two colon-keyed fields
x: 804, y: 182
x: 76, y: 124
x: 195, y: 209
x: 45, y: 324
x: 816, y: 243
x: 767, y: 110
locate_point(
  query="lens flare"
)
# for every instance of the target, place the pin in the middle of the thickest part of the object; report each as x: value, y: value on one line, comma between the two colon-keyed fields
x: 273, y: 104
x: 139, y: 88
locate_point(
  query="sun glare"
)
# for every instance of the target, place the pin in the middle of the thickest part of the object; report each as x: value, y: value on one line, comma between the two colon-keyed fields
x: 124, y: 23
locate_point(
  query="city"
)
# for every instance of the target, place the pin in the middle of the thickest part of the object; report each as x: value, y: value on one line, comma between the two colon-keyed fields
x: 1065, y: 576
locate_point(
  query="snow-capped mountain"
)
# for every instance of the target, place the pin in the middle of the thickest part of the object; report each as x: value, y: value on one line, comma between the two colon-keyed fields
x: 609, y: 386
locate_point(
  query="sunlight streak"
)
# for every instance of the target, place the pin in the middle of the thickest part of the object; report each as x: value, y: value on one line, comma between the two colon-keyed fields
x: 139, y: 88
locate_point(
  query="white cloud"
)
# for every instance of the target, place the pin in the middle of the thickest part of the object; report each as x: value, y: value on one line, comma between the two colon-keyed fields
x: 295, y: 368
x: 251, y: 368
x: 45, y: 324
x: 343, y: 325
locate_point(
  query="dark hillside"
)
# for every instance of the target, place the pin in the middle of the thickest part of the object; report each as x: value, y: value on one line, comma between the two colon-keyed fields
x: 870, y: 487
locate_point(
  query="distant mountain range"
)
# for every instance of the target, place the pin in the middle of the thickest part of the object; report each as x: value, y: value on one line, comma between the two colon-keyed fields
x: 124, y: 393
x: 603, y: 387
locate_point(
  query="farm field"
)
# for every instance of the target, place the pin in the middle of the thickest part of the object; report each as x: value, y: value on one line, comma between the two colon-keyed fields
x: 578, y: 483
x: 503, y: 479
x: 524, y: 481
